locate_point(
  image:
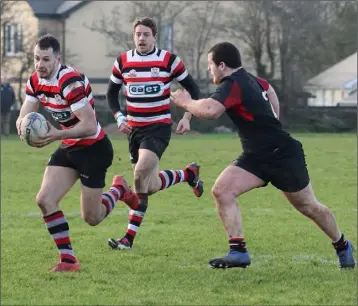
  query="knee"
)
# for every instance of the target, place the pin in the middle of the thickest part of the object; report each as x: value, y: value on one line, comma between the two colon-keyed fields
x: 219, y: 191
x: 45, y: 202
x: 91, y: 219
x: 140, y: 176
x: 311, y: 209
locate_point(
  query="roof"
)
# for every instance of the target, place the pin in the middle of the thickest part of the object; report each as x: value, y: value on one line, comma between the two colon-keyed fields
x: 54, y: 8
x: 337, y: 75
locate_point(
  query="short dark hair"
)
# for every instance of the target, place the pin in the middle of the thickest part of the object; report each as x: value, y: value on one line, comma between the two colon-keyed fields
x: 227, y: 53
x: 49, y: 41
x: 147, y: 22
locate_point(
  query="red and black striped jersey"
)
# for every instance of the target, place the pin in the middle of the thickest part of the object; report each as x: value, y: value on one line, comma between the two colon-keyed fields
x: 147, y: 80
x: 245, y: 99
x: 67, y: 91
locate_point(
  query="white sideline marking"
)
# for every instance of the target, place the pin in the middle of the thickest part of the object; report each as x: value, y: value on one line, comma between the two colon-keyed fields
x: 122, y: 210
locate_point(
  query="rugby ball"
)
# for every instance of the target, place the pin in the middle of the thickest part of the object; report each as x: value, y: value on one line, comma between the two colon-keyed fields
x: 33, y: 126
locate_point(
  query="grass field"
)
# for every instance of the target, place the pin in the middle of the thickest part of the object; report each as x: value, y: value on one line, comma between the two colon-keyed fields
x: 293, y: 262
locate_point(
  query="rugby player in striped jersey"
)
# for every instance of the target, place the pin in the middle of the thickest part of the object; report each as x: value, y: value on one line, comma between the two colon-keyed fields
x: 145, y: 74
x: 85, y: 151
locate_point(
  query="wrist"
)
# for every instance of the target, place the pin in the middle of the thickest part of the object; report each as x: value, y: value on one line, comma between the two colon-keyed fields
x: 120, y: 118
x: 188, y: 116
x: 61, y: 134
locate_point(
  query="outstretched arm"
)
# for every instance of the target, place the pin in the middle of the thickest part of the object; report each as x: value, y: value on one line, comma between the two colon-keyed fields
x: 203, y: 108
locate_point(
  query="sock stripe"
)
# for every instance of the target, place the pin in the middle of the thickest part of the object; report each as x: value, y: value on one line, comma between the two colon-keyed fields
x: 115, y: 192
x: 56, y: 215
x: 136, y: 223
x: 107, y: 205
x: 182, y: 175
x: 60, y: 235
x: 177, y: 177
x: 67, y: 253
x: 135, y: 218
x: 236, y: 239
x: 170, y: 177
x: 65, y: 240
x: 68, y: 256
x: 106, y: 197
x: 186, y: 175
x: 133, y: 227
x: 174, y: 179
x: 136, y: 213
x: 58, y: 228
x: 161, y: 176
x: 237, y: 244
x: 131, y: 232
x: 55, y: 221
x: 166, y: 179
x: 65, y: 248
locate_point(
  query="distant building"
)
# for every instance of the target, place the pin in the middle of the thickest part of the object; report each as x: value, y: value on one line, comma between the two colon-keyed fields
x: 336, y: 85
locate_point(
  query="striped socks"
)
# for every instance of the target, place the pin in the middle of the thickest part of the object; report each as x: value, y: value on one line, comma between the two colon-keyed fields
x: 135, y: 217
x: 237, y: 244
x: 172, y: 177
x: 110, y: 198
x: 59, y: 230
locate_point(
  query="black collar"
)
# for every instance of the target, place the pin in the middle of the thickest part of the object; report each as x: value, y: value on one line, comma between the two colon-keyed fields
x: 151, y: 52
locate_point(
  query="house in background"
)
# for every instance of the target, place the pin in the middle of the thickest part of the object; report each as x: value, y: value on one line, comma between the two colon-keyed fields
x: 69, y: 21
x: 350, y: 94
x: 22, y: 23
x: 335, y: 86
x: 81, y: 47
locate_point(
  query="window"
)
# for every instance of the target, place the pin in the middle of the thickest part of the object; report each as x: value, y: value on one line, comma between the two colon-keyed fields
x: 350, y: 87
x: 12, y: 39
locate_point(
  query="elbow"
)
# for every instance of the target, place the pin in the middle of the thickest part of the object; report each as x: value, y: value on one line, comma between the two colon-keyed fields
x: 213, y: 115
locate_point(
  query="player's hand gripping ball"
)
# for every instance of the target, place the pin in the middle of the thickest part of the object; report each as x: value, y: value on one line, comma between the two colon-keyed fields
x: 33, y: 126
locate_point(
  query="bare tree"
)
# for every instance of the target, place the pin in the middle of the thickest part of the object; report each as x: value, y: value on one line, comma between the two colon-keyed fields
x: 343, y: 28
x: 112, y: 27
x: 302, y: 37
x: 199, y: 26
x: 5, y: 10
x: 252, y: 23
x: 27, y: 60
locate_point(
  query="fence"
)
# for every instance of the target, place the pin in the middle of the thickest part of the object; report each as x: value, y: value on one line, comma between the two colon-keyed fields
x: 300, y: 119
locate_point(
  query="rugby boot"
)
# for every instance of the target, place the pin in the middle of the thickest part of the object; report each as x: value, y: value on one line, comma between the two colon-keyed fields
x: 196, y: 183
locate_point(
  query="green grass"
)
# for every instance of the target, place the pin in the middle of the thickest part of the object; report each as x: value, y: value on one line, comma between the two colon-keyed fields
x: 293, y: 262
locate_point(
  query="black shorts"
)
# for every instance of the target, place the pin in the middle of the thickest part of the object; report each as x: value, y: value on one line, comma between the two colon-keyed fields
x: 154, y: 137
x: 91, y: 162
x: 285, y: 167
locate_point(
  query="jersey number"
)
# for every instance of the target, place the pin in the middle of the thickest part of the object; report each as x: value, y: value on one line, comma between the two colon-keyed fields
x: 264, y: 95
